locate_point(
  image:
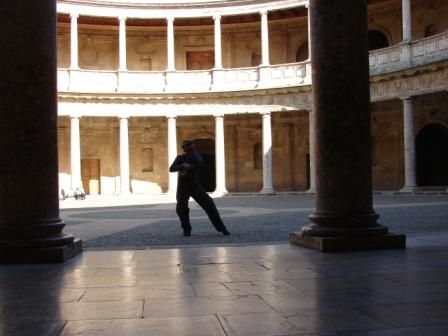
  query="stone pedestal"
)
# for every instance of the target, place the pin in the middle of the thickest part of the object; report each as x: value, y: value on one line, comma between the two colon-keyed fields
x: 30, y: 227
x: 343, y: 218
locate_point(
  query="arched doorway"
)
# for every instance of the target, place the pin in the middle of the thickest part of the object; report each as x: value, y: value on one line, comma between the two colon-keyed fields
x: 206, y: 148
x: 377, y: 40
x: 432, y: 156
x: 302, y: 52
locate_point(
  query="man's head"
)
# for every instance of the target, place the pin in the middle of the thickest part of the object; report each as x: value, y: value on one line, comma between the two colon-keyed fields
x: 187, y: 146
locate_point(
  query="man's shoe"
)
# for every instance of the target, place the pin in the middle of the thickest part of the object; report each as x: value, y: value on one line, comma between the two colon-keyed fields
x: 225, y: 232
x: 187, y: 233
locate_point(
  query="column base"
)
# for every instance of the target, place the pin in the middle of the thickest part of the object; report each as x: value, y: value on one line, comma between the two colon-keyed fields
x: 408, y: 189
x: 340, y: 244
x: 219, y: 193
x: 267, y: 191
x: 39, y: 255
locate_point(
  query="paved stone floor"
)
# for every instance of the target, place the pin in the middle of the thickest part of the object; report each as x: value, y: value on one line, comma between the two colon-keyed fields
x: 233, y: 287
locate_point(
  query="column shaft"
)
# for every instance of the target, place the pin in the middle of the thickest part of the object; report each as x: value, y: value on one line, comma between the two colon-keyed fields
x: 264, y: 38
x: 124, y: 156
x: 170, y: 44
x: 344, y: 218
x: 406, y: 20
x: 311, y: 140
x: 122, y: 44
x: 220, y: 156
x: 218, y: 44
x: 267, y: 154
x: 309, y: 30
x: 172, y: 153
x: 410, y: 183
x: 74, y: 41
x: 75, y: 153
x: 30, y: 226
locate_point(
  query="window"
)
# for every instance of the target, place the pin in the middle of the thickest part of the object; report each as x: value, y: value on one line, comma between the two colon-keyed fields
x: 147, y: 160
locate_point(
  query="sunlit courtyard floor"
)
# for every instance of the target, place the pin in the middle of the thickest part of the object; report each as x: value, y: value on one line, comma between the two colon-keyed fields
x: 231, y: 286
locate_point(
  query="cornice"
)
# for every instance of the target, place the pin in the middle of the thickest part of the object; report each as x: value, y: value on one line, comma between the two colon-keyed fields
x: 179, y: 9
x: 167, y: 97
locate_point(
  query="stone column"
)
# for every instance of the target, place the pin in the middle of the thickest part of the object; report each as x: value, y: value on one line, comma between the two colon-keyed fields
x: 264, y: 38
x: 30, y: 226
x: 218, y: 44
x: 307, y: 6
x: 410, y: 177
x: 344, y: 218
x: 406, y: 20
x: 220, y: 156
x: 267, y: 154
x: 124, y: 156
x: 170, y: 44
x: 172, y: 153
x: 122, y: 44
x: 312, y: 187
x: 75, y: 152
x: 74, y: 41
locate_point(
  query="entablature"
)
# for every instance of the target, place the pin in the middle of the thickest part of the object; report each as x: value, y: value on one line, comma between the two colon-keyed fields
x: 179, y: 9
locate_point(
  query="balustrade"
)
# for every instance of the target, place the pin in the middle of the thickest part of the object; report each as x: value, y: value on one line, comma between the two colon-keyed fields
x: 399, y: 57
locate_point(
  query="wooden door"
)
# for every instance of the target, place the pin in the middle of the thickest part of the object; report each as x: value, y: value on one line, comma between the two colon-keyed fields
x: 90, y: 173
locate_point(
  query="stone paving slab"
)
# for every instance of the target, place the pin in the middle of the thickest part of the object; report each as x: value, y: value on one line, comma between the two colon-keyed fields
x: 246, y: 290
x: 237, y: 288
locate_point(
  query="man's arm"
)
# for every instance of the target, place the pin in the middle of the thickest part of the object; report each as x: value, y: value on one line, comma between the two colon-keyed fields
x: 177, y: 164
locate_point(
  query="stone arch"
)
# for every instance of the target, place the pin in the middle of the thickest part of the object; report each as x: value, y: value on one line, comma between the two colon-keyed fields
x: 207, y: 173
x: 431, y: 29
x: 302, y: 53
x: 377, y: 39
x: 432, y: 155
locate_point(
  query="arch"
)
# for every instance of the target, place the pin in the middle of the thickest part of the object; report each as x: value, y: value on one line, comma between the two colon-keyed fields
x: 432, y: 155
x: 302, y: 53
x: 207, y: 173
x: 377, y: 39
x: 431, y: 30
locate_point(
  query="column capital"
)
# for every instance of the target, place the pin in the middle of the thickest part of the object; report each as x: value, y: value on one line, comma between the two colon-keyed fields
x: 74, y: 115
x: 217, y: 17
x: 263, y: 11
x: 74, y: 15
x: 124, y: 115
x: 122, y: 18
x: 265, y: 113
x: 218, y: 115
x: 407, y: 97
x: 307, y: 4
x: 171, y: 115
x: 170, y: 19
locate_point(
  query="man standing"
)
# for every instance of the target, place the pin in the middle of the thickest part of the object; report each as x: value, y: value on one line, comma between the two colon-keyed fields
x: 187, y: 165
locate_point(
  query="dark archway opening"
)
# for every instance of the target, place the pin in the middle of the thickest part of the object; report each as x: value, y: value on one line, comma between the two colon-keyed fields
x: 302, y: 53
x: 432, y: 156
x: 207, y: 173
x: 377, y: 40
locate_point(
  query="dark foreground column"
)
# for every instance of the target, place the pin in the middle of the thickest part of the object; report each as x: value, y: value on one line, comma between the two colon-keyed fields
x: 343, y: 218
x: 30, y: 227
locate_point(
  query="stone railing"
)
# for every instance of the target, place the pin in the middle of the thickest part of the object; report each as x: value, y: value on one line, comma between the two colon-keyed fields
x: 408, y: 55
x: 396, y: 58
x: 142, y: 82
